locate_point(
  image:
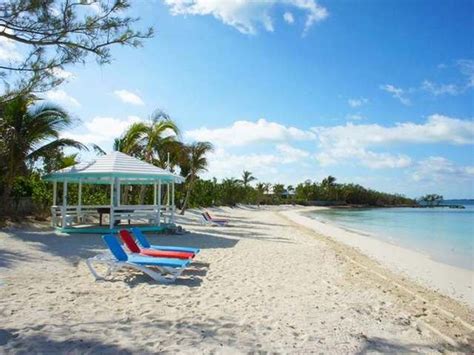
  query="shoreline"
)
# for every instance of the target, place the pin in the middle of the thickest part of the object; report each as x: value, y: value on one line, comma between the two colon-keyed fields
x: 454, y: 282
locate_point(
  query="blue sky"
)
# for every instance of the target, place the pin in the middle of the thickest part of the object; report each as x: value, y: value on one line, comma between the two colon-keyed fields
x: 378, y: 93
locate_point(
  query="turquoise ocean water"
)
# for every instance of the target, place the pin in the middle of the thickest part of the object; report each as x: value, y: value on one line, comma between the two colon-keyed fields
x: 445, y: 234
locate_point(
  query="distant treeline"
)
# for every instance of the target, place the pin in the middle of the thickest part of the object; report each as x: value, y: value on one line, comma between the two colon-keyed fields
x: 326, y: 192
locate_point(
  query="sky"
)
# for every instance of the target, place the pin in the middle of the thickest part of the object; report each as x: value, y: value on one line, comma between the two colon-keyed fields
x: 375, y: 93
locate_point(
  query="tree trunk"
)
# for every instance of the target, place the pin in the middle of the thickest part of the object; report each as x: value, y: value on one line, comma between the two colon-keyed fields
x: 141, y: 197
x: 6, y: 204
x: 125, y: 195
x: 186, y: 199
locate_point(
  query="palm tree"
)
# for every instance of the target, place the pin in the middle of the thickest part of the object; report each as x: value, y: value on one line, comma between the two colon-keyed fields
x: 57, y: 160
x: 329, y: 185
x: 194, y: 161
x: 232, y: 191
x: 328, y: 182
x: 97, y: 149
x: 29, y: 132
x: 278, y: 189
x: 247, y: 177
x: 431, y: 199
x: 262, y: 188
x: 150, y: 141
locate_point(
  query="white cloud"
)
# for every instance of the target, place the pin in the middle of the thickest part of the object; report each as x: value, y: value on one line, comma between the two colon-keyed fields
x: 8, y: 51
x: 288, y: 17
x: 355, y: 117
x: 439, y: 169
x: 467, y: 69
x: 224, y: 164
x: 247, y: 15
x: 95, y: 7
x: 339, y: 154
x: 129, y: 97
x: 103, y: 129
x: 440, y: 89
x: 342, y: 143
x: 436, y: 129
x: 8, y: 48
x: 397, y: 93
x: 357, y: 102
x: 62, y: 97
x: 465, y: 66
x: 61, y: 73
x: 363, y: 144
x: 246, y: 132
x: 384, y: 160
x: 290, y: 154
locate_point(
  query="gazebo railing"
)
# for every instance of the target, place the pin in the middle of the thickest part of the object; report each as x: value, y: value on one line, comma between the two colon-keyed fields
x: 64, y: 216
x: 167, y: 213
x: 137, y: 212
x: 72, y: 213
x: 163, y: 213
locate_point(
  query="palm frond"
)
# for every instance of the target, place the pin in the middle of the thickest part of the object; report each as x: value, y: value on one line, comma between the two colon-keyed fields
x: 58, y: 143
x: 97, y: 149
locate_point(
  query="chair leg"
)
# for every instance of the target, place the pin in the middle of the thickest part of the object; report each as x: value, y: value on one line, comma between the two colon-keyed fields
x: 92, y: 270
x: 153, y: 274
x: 165, y: 275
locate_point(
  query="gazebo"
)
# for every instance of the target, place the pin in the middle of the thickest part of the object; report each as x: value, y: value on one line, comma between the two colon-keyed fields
x: 116, y: 170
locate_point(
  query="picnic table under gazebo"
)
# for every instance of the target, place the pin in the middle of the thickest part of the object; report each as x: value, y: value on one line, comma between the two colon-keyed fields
x: 116, y: 170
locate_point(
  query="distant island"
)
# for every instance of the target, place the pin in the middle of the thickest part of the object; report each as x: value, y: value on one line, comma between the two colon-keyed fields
x: 435, y: 200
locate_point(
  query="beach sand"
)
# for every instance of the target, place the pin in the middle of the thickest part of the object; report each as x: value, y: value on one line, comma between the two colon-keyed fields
x: 263, y: 284
x: 452, y: 281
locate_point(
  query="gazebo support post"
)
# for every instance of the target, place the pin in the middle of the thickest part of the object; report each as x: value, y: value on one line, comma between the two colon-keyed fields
x: 155, y: 203
x: 53, y: 209
x: 172, y: 202
x: 168, y: 202
x: 159, y: 202
x: 64, y: 207
x: 79, y: 202
x: 111, y: 214
x: 119, y: 192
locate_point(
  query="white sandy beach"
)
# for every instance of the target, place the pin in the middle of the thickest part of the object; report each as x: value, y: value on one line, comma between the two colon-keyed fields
x: 452, y: 281
x: 264, y: 284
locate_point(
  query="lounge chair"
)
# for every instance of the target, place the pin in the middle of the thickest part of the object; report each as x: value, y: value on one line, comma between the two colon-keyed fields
x: 215, y: 219
x: 207, y: 219
x: 143, y: 241
x: 168, y: 269
x: 127, y: 238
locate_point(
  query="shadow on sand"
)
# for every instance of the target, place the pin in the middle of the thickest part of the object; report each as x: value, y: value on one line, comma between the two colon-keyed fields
x: 77, y: 247
x: 191, y: 277
x: 385, y: 346
x: 245, y: 234
x: 8, y: 258
x: 221, y: 331
x: 41, y: 343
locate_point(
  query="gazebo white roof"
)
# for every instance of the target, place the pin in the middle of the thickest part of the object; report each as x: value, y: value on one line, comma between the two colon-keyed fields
x: 114, y: 165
